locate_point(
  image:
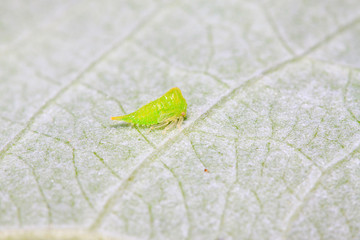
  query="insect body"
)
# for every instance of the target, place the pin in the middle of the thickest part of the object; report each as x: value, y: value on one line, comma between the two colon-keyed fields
x: 168, y: 110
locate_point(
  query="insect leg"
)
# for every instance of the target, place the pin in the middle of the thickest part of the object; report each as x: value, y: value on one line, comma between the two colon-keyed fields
x: 181, y: 119
x: 170, y: 126
x: 160, y: 125
x: 151, y: 128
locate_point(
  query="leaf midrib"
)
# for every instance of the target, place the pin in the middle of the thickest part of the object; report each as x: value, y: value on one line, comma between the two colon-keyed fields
x: 117, y: 44
x: 168, y: 143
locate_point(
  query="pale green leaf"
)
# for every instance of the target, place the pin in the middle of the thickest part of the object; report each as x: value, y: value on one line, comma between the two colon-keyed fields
x: 270, y: 148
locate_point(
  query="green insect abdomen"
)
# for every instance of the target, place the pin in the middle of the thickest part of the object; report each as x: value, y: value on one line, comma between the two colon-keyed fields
x: 171, y: 105
x: 146, y: 115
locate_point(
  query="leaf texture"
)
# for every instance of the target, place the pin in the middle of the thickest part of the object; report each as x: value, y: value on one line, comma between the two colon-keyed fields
x: 270, y: 148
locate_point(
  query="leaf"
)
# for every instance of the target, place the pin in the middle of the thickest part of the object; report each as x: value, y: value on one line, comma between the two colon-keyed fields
x: 270, y: 148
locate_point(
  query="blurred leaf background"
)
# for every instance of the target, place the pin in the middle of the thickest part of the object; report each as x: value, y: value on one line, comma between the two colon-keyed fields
x: 273, y: 92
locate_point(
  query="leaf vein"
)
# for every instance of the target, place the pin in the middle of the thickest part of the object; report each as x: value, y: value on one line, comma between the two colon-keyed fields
x: 228, y: 95
x: 276, y: 31
x: 142, y: 23
x: 295, y: 213
x: 36, y: 178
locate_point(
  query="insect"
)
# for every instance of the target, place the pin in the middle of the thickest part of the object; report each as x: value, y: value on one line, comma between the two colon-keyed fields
x: 167, y: 111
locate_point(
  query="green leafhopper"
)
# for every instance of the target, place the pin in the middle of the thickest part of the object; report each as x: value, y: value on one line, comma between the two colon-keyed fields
x: 168, y: 110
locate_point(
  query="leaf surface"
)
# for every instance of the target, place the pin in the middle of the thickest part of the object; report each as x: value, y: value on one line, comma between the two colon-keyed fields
x: 270, y: 148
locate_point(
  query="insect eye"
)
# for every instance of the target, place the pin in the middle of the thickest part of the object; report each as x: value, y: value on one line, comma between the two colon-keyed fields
x: 183, y: 113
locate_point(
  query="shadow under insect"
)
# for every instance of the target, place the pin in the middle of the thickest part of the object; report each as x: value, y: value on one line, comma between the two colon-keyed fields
x: 121, y: 125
